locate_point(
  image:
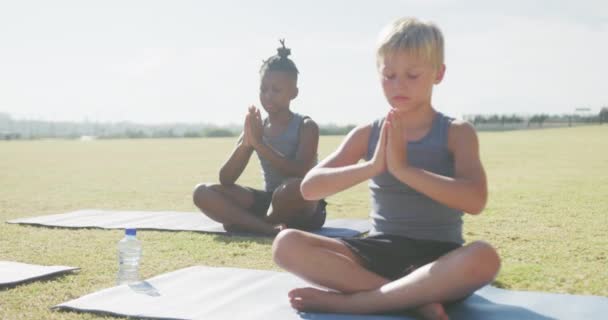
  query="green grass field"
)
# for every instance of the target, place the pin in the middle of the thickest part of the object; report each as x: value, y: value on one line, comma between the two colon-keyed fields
x: 547, y: 213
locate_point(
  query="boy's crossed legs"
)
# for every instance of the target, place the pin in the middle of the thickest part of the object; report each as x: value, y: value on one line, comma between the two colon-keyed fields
x: 331, y: 264
x: 233, y: 206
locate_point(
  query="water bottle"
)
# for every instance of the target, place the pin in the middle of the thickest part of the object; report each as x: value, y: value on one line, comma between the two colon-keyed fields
x: 129, y: 253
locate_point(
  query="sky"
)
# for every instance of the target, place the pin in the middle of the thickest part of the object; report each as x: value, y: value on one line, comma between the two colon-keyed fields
x: 198, y: 61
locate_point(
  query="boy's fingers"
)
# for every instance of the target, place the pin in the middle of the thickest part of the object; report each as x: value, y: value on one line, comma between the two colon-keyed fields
x: 386, y: 134
x: 248, y: 121
x: 391, y: 120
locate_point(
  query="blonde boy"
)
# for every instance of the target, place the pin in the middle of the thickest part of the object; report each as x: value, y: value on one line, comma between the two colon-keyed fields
x: 425, y: 172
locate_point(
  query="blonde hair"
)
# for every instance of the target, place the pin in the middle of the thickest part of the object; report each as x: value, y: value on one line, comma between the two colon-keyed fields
x: 423, y: 39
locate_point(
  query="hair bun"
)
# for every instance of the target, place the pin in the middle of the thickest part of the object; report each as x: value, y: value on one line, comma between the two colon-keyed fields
x: 280, y: 62
x: 283, y: 52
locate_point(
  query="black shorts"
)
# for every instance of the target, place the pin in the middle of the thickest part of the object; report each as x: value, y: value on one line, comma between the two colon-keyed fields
x: 394, y: 257
x: 262, y: 200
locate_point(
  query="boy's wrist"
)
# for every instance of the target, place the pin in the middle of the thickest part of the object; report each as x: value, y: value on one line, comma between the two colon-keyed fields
x: 256, y: 143
x: 245, y: 146
x: 401, y: 172
x: 373, y: 168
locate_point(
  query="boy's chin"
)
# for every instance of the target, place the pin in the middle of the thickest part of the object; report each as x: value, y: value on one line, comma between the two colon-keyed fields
x: 401, y: 108
x: 407, y: 108
x: 274, y: 109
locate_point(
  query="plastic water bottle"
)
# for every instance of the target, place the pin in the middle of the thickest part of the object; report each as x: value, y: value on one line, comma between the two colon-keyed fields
x: 129, y: 253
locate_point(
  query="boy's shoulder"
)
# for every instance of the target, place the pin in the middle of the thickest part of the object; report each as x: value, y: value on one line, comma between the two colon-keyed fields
x: 366, y: 129
x: 361, y: 134
x: 461, y: 126
x: 461, y: 132
x: 309, y: 124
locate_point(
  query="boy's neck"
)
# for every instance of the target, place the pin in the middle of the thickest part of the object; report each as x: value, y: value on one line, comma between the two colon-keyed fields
x: 280, y: 117
x: 418, y: 119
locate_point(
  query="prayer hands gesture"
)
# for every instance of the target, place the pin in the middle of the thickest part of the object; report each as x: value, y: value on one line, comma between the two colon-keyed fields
x: 391, y: 150
x: 396, y: 149
x: 253, y: 128
x: 378, y: 161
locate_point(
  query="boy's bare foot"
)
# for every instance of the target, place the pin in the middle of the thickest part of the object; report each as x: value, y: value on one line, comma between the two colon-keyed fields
x: 432, y: 311
x: 312, y: 299
x: 316, y: 300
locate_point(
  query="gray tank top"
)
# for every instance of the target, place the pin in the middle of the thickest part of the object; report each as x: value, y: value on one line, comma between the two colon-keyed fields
x: 400, y: 210
x: 287, y: 145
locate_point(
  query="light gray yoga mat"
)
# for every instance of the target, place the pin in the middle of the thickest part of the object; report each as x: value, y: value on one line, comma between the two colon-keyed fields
x: 13, y: 273
x: 227, y: 293
x: 170, y: 220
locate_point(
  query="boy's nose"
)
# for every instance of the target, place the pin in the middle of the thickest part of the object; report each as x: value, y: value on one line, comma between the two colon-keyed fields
x: 399, y: 83
x: 267, y: 95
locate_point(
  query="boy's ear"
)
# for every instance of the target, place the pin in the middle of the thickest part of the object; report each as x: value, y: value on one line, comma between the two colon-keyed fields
x: 440, y: 74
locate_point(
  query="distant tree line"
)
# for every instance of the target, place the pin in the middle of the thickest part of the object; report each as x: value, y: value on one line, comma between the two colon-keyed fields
x: 513, y: 121
x: 603, y: 115
x: 335, y: 130
x: 36, y: 129
x: 13, y: 129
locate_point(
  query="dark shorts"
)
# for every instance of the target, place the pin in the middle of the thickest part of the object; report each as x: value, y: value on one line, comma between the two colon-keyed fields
x: 394, y: 257
x: 262, y: 200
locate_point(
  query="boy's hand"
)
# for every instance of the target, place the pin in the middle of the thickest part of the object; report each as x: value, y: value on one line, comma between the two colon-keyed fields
x: 246, y: 142
x: 396, y: 149
x: 256, y: 127
x: 378, y: 161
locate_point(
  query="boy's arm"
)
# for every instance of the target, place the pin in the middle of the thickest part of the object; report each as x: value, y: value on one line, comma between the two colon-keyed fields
x: 341, y: 169
x: 234, y: 166
x: 305, y: 155
x: 467, y: 190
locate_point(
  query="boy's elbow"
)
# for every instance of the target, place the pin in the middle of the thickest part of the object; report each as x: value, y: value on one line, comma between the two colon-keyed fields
x: 307, y: 190
x: 475, y: 210
x: 225, y: 181
x: 477, y: 205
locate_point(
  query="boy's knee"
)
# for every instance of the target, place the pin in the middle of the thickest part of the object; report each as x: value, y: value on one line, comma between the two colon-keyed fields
x: 487, y: 261
x: 201, y: 190
x: 289, y: 187
x: 285, y: 244
x: 287, y: 192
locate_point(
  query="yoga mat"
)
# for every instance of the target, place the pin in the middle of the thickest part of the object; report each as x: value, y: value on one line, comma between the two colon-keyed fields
x: 172, y: 221
x: 228, y: 293
x: 13, y: 273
